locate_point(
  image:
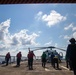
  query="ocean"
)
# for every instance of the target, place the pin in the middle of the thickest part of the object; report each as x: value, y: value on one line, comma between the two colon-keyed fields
x: 13, y: 59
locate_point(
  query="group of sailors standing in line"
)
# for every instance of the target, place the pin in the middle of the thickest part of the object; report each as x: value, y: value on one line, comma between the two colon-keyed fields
x: 31, y: 55
x: 70, y: 57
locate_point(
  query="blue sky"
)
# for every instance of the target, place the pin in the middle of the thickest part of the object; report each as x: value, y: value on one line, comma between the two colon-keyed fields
x: 33, y: 25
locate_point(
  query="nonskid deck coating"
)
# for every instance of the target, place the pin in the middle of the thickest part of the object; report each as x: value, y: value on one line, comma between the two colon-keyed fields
x: 37, y: 69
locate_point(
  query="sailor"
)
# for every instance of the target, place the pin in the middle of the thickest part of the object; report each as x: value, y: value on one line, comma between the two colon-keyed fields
x: 43, y: 59
x: 7, y: 57
x: 52, y: 59
x: 30, y: 60
x: 71, y: 54
x: 56, y: 62
x: 19, y: 55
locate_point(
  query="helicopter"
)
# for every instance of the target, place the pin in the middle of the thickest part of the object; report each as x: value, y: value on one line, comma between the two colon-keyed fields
x: 49, y: 52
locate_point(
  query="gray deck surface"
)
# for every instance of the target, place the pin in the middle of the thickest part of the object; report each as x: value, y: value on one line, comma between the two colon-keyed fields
x: 37, y: 69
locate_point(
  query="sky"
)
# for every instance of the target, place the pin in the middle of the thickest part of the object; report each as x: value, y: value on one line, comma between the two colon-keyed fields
x: 36, y: 25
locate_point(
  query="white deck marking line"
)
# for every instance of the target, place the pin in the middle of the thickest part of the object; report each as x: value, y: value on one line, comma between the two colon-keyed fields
x: 13, y: 64
x: 50, y: 70
x: 47, y: 69
x: 64, y: 67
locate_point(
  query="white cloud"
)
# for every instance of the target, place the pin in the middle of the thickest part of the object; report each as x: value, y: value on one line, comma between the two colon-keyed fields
x: 56, y: 45
x: 74, y: 35
x: 60, y: 36
x: 51, y: 44
x: 53, y: 18
x: 68, y: 27
x: 67, y: 37
x: 39, y: 15
x: 71, y: 26
x: 39, y: 32
x: 74, y: 28
x: 48, y: 44
x: 22, y: 38
x: 10, y: 42
x: 4, y: 29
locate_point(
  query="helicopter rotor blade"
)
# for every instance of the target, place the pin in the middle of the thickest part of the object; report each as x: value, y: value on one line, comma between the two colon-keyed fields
x: 45, y: 47
x: 40, y: 48
x: 37, y: 49
x: 60, y: 49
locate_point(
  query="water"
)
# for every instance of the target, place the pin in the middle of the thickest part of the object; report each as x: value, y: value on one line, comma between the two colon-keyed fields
x: 13, y: 59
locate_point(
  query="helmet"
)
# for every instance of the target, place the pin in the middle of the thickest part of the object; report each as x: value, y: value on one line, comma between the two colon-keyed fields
x: 72, y: 40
